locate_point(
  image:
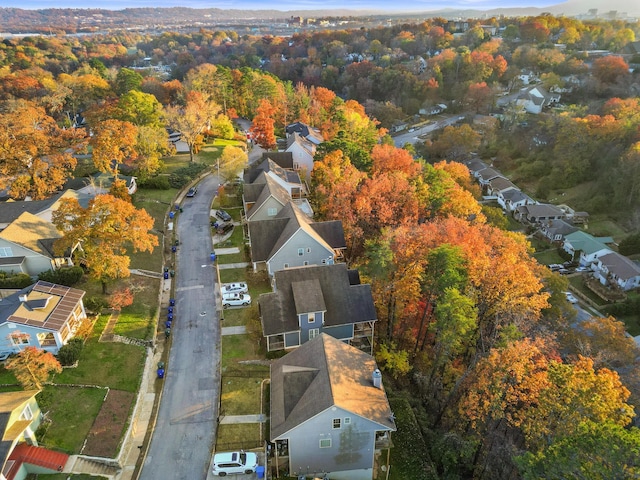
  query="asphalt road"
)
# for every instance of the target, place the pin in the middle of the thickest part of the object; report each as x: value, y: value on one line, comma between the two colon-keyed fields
x: 183, y: 437
x: 413, y: 137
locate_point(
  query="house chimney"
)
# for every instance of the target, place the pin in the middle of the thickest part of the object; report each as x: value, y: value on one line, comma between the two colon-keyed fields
x: 377, y: 378
x: 23, y: 297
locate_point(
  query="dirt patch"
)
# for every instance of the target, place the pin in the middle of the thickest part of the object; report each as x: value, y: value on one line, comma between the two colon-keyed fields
x: 105, y: 434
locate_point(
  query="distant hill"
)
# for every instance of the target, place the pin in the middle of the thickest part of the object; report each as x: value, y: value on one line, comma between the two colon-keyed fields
x: 70, y: 20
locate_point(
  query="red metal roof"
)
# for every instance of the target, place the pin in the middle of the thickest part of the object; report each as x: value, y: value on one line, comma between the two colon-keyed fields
x: 38, y: 456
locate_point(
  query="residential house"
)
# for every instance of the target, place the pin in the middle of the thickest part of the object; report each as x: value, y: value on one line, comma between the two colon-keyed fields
x: 586, y: 247
x: 43, y: 315
x: 500, y: 185
x: 577, y: 218
x: 292, y: 239
x: 264, y: 198
x: 20, y: 417
x: 510, y: 200
x: 534, y: 99
x: 616, y: 269
x: 310, y: 134
x: 557, y: 230
x: 527, y: 77
x: 485, y: 175
x: 433, y: 109
x: 286, y: 177
x: 308, y: 301
x: 475, y: 166
x: 26, y: 246
x: 12, y: 209
x: 303, y: 151
x: 329, y: 412
x: 537, y: 213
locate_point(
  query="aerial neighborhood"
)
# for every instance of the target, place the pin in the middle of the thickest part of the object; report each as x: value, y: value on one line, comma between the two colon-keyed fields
x: 350, y: 248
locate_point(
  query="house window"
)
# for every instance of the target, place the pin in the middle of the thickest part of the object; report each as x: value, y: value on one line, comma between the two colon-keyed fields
x: 26, y: 414
x: 337, y: 423
x: 324, y: 261
x: 313, y: 333
x: 325, y: 443
x: 308, y: 250
x: 311, y: 318
x: 272, y: 212
x: 305, y: 263
x: 286, y: 265
x: 5, y: 252
x: 347, y: 420
x: 300, y: 252
x: 20, y: 339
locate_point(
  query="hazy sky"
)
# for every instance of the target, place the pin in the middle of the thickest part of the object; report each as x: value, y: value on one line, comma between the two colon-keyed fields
x: 284, y: 5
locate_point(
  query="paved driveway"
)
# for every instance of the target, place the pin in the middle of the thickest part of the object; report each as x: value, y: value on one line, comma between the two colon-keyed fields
x: 187, y: 419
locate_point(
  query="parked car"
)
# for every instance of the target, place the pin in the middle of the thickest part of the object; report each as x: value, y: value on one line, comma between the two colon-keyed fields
x: 238, y: 287
x: 234, y: 462
x: 235, y: 299
x: 564, y: 271
x: 555, y: 267
x: 222, y: 215
x: 192, y: 192
x: 583, y: 269
x: 571, y: 298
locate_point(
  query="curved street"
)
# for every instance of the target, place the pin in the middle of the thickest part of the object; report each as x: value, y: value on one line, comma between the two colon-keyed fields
x: 186, y: 423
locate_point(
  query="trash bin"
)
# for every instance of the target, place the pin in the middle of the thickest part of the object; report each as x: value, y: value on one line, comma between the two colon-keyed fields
x: 167, y: 324
x: 166, y: 275
x: 174, y: 249
x: 172, y: 302
x: 167, y: 332
x: 213, y: 257
x: 172, y: 273
x: 170, y: 316
x: 176, y: 242
x: 169, y: 309
x: 260, y: 471
x: 180, y: 209
x: 177, y: 207
x: 171, y: 215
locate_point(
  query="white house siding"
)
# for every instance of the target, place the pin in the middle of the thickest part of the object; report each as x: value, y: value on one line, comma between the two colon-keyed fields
x: 289, y: 253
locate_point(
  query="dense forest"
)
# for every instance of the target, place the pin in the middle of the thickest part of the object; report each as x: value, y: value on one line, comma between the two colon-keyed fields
x: 503, y: 385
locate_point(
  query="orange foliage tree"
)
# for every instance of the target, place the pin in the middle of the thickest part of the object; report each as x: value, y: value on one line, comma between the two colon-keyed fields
x: 32, y: 367
x: 262, y: 129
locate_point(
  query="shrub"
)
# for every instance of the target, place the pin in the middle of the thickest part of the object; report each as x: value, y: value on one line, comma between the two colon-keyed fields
x: 18, y: 280
x: 184, y: 175
x: 156, y: 183
x: 70, y: 353
x: 630, y: 245
x: 68, y: 276
x: 95, y: 304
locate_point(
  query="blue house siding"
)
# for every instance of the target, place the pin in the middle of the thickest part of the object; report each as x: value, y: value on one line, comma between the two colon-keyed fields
x: 291, y: 339
x: 30, y: 335
x: 341, y: 332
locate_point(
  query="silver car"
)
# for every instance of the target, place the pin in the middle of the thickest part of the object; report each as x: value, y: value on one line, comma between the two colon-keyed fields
x: 234, y: 462
x: 235, y: 300
x: 237, y: 287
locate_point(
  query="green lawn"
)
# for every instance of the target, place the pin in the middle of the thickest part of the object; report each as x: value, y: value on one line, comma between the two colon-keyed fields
x: 577, y: 283
x: 240, y: 395
x: 7, y: 377
x: 72, y: 411
x: 236, y: 348
x: 600, y: 226
x: 136, y: 320
x: 114, y: 365
x: 549, y: 256
x: 245, y: 436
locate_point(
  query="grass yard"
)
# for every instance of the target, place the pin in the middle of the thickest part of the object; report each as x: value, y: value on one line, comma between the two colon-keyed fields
x: 240, y: 395
x: 236, y: 348
x: 114, y: 365
x: 577, y: 283
x: 71, y: 411
x: 69, y: 476
x: 7, y: 377
x: 605, y: 227
x: 549, y: 256
x: 243, y: 436
x: 136, y: 320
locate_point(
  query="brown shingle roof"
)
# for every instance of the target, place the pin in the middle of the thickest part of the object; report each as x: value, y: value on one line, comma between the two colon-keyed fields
x: 27, y: 230
x: 320, y: 374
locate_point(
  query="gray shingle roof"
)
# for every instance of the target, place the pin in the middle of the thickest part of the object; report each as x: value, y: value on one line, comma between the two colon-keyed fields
x: 345, y: 303
x: 268, y: 236
x: 321, y: 374
x: 270, y: 189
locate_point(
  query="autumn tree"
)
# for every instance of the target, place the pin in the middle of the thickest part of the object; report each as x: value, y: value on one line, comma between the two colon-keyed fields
x: 104, y: 230
x: 32, y: 367
x: 34, y: 156
x: 232, y: 162
x: 193, y: 119
x: 113, y: 143
x: 123, y: 297
x: 262, y: 129
x: 610, y: 69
